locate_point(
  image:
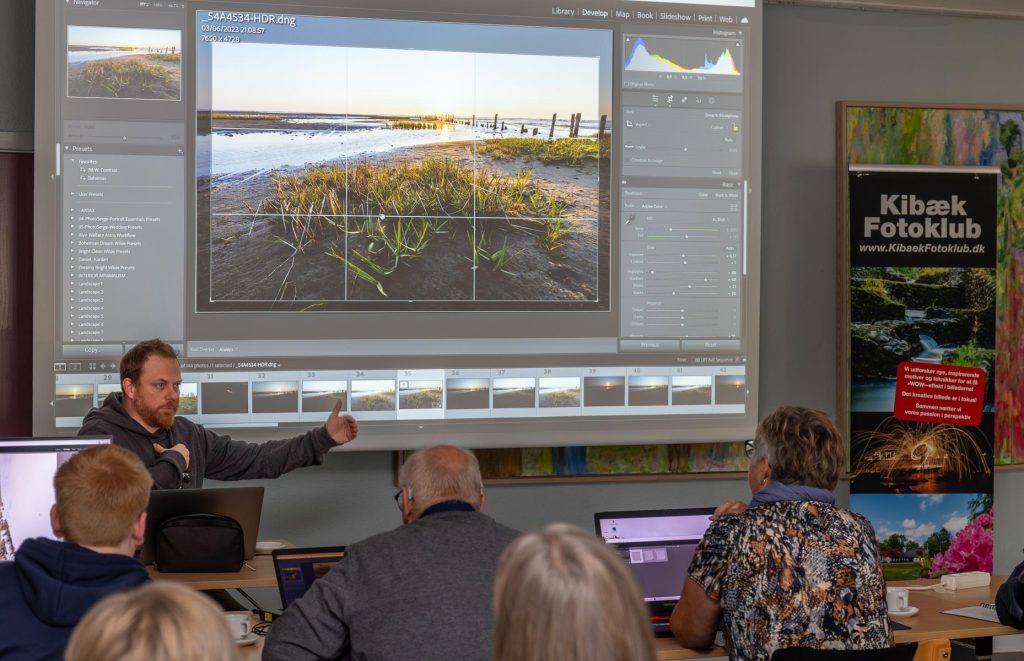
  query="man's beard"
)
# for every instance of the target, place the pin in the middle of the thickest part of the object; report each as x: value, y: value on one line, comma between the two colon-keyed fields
x: 155, y: 417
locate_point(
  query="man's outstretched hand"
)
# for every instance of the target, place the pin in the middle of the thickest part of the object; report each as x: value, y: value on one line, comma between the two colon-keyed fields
x: 342, y: 428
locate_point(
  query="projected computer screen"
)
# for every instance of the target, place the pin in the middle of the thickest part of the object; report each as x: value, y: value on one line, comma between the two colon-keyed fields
x: 495, y: 224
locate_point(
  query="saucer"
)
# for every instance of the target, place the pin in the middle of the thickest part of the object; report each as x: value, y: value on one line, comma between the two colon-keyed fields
x: 913, y: 610
x: 247, y: 639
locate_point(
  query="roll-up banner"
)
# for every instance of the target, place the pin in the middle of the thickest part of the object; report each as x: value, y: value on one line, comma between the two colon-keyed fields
x: 922, y: 291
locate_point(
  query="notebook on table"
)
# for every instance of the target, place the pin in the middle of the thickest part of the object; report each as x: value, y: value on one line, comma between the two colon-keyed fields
x: 658, y: 546
x: 296, y: 569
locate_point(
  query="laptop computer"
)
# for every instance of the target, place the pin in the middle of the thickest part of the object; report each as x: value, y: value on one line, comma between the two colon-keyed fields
x: 296, y: 569
x: 27, y: 467
x: 658, y: 546
x: 243, y: 504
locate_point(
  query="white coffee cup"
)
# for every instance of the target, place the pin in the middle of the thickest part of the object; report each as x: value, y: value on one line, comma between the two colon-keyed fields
x: 238, y: 623
x: 897, y: 599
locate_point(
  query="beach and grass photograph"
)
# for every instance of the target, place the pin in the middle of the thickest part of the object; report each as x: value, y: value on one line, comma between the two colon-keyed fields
x: 188, y: 399
x: 691, y: 390
x: 419, y: 395
x: 515, y: 393
x: 468, y: 393
x: 124, y: 63
x: 648, y: 390
x: 604, y: 391
x: 373, y: 395
x: 275, y: 397
x: 403, y: 178
x: 559, y: 392
x: 321, y: 396
x: 104, y: 389
x: 72, y: 401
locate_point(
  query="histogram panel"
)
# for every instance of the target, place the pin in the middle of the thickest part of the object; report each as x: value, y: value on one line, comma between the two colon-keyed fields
x: 696, y: 64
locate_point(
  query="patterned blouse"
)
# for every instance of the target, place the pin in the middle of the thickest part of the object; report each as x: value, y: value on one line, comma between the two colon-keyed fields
x: 794, y: 573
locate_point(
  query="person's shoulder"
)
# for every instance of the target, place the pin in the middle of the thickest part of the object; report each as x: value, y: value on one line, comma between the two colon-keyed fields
x: 854, y: 519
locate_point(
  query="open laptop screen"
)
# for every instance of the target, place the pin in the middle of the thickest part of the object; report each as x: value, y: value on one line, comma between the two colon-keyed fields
x: 296, y: 569
x: 27, y: 466
x: 658, y: 546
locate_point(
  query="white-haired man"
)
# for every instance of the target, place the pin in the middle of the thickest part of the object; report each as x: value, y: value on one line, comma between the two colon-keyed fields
x: 422, y: 591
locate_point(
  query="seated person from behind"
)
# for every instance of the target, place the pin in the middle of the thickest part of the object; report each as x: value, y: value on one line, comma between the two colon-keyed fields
x: 180, y: 453
x: 161, y: 621
x: 419, y: 592
x: 791, y: 569
x: 562, y: 593
x: 100, y: 512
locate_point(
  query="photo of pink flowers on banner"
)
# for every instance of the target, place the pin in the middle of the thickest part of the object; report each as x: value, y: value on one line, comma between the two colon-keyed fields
x: 928, y: 535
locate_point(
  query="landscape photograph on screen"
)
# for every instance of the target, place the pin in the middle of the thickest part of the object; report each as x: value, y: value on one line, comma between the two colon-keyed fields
x: 398, y: 177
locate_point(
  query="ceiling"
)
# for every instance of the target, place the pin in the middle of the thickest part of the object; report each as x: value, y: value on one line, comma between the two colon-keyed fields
x: 986, y: 8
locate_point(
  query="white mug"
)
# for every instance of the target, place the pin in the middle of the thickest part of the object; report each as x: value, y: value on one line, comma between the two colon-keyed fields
x: 897, y: 599
x: 238, y: 623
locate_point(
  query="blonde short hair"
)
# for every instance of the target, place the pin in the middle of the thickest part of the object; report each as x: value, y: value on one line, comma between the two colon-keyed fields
x: 562, y: 593
x: 440, y: 473
x: 100, y: 492
x: 160, y: 621
x: 802, y: 446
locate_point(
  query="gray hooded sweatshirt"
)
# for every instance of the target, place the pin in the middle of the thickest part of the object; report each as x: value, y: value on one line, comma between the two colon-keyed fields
x: 210, y: 455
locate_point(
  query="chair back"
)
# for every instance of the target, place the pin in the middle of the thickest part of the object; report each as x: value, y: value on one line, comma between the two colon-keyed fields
x: 938, y: 649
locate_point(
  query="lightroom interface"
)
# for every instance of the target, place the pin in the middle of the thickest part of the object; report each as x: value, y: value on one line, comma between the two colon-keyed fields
x: 443, y: 219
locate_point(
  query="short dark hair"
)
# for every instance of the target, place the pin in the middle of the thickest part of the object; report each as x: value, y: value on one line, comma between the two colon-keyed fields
x: 136, y: 357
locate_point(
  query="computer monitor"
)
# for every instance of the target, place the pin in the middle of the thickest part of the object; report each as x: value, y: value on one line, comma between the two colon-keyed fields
x: 243, y: 504
x: 658, y: 546
x: 297, y: 568
x: 27, y: 466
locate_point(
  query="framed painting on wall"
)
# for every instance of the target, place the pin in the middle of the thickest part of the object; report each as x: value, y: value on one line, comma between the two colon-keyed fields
x: 608, y: 463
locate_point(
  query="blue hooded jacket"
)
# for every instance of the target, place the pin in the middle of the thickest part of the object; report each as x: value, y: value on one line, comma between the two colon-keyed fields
x: 48, y: 588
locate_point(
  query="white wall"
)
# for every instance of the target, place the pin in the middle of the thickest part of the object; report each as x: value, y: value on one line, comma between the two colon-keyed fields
x: 813, y: 58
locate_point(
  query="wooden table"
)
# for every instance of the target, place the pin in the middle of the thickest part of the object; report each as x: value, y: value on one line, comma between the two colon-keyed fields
x: 929, y: 623
x: 258, y: 574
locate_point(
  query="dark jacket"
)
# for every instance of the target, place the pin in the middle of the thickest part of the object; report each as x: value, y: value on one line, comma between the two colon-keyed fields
x: 1010, y: 599
x: 48, y: 588
x: 421, y: 592
x: 210, y: 455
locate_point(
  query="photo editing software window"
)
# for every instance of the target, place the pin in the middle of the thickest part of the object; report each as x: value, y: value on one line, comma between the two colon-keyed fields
x: 469, y: 221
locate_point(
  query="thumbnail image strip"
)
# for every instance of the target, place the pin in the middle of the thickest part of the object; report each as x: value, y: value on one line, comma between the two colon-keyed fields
x: 515, y: 393
x: 72, y: 401
x: 275, y: 397
x: 559, y: 392
x: 225, y: 397
x: 468, y: 393
x: 321, y: 396
x: 373, y: 395
x: 691, y: 390
x: 648, y: 391
x: 604, y: 391
x: 418, y: 395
